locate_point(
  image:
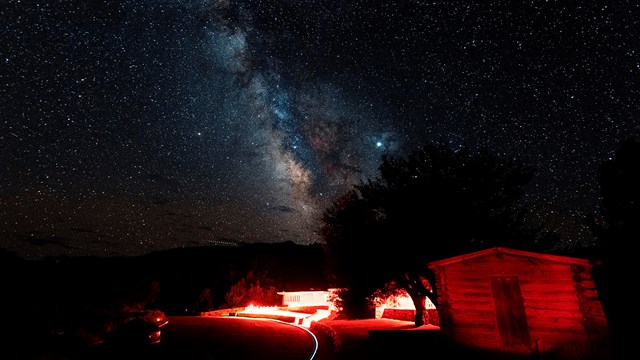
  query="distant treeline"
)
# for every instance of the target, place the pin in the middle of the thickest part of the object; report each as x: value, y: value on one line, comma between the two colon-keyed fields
x: 63, y: 293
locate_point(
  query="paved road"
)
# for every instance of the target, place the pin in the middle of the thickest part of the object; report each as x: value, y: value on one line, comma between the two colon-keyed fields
x: 213, y: 338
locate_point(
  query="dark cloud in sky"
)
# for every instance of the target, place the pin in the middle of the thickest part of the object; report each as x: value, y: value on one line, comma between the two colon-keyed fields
x: 157, y: 124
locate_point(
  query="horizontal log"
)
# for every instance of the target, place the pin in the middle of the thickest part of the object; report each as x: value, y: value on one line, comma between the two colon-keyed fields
x: 466, y: 303
x: 470, y: 293
x: 523, y: 280
x: 470, y: 297
x: 511, y: 265
x: 456, y: 310
x: 466, y: 285
x: 491, y: 260
x: 560, y: 324
x: 535, y: 314
x: 536, y: 300
x: 475, y: 319
x: 559, y: 334
x: 485, y: 283
x: 527, y: 276
x: 571, y: 344
x: 553, y: 303
x: 551, y: 294
x: 532, y: 299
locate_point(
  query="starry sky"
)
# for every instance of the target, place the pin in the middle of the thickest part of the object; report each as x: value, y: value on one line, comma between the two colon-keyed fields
x: 129, y: 126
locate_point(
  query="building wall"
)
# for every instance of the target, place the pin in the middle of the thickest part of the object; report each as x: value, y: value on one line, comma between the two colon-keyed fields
x: 305, y: 298
x: 560, y: 302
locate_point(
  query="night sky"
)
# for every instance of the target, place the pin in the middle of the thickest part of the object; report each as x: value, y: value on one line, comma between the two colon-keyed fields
x: 133, y: 126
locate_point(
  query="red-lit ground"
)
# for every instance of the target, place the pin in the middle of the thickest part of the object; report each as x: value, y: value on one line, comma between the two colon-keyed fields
x: 350, y: 338
x: 385, y: 339
x: 338, y: 339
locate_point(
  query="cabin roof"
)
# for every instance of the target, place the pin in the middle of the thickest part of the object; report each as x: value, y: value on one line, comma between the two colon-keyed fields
x: 512, y: 252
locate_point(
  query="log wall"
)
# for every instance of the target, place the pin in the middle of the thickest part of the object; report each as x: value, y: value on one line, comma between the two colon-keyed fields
x: 560, y: 300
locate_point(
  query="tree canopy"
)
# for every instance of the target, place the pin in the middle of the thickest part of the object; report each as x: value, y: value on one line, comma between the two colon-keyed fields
x: 619, y: 179
x: 435, y: 203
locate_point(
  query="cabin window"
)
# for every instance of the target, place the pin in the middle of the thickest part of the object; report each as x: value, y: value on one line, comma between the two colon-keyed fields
x: 510, y: 313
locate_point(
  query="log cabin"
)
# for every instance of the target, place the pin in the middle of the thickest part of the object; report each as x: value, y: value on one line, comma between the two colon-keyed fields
x: 520, y: 302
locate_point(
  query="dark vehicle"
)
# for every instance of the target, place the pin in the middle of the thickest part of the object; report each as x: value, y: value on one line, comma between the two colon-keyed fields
x: 156, y: 316
x: 152, y: 316
x: 136, y: 332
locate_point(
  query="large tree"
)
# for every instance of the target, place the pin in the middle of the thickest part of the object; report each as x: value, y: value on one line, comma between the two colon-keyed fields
x: 619, y: 180
x: 435, y: 203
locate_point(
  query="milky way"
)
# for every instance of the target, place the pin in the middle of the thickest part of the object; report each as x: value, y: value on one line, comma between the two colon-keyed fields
x: 133, y: 126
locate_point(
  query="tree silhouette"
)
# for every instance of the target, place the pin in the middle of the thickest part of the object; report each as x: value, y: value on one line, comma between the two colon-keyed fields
x: 435, y: 203
x: 204, y: 301
x: 619, y: 180
x: 252, y: 289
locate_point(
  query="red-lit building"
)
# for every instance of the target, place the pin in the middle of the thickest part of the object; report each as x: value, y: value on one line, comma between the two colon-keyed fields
x: 398, y: 307
x: 305, y: 298
x: 520, y: 301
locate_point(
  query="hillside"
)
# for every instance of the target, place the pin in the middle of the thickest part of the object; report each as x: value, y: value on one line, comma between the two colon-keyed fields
x: 62, y: 294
